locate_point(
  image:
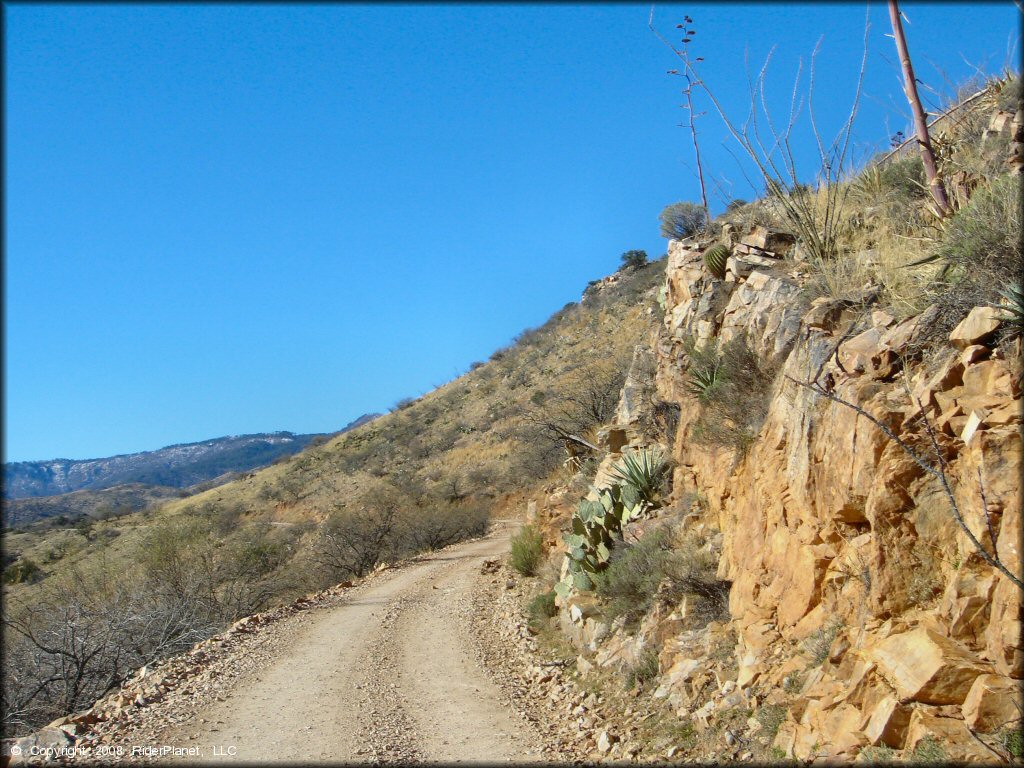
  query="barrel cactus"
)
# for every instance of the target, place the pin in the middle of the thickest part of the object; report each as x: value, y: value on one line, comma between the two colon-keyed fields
x: 715, y: 258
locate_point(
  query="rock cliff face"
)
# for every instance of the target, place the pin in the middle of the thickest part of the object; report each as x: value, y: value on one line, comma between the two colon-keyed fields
x: 832, y: 532
x: 861, y: 613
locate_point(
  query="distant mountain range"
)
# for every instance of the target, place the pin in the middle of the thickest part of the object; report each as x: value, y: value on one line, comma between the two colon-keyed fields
x: 138, y: 477
x: 176, y: 466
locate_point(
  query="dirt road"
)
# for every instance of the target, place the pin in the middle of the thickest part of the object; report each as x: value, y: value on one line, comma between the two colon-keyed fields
x: 389, y: 674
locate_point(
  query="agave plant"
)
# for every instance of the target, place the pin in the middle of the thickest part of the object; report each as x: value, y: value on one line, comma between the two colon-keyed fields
x: 644, y: 471
x: 1013, y: 307
x: 702, y: 380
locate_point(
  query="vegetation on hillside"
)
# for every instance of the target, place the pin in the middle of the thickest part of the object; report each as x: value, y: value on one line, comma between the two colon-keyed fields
x: 424, y: 476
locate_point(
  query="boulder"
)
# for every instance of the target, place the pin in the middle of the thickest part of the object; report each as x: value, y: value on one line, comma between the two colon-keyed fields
x: 772, y: 240
x: 979, y: 324
x: 857, y: 353
x: 933, y: 738
x: 925, y: 666
x: 825, y: 313
x: 605, y: 741
x: 993, y: 702
x: 887, y: 723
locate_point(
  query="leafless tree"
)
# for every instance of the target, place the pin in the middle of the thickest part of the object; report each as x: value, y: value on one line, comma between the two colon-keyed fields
x: 589, y: 399
x: 79, y: 636
x: 353, y: 541
x: 438, y: 526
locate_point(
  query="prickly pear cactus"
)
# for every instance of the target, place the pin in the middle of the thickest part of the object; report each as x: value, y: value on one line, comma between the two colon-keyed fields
x: 715, y: 258
x: 595, y: 527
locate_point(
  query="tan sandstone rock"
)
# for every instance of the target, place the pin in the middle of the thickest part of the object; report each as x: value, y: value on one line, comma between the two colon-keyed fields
x: 992, y: 703
x: 925, y: 666
x: 979, y: 324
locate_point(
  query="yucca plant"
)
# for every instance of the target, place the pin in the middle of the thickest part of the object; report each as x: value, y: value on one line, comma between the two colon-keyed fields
x: 644, y: 470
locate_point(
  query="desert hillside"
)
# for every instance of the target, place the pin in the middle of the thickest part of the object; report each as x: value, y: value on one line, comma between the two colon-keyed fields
x: 426, y: 475
x: 757, y: 501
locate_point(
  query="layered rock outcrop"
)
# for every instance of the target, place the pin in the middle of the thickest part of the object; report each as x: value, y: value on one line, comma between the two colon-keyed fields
x: 840, y: 537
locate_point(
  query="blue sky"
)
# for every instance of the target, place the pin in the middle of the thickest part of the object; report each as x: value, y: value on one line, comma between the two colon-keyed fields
x: 224, y: 219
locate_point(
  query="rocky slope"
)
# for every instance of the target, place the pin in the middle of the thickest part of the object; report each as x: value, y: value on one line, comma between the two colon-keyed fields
x: 863, y: 619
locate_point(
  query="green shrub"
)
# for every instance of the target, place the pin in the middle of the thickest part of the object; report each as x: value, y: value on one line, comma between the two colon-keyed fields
x: 637, y: 572
x: 879, y: 754
x: 540, y: 609
x: 633, y: 576
x: 904, y: 177
x: 981, y: 241
x: 1013, y: 742
x: 771, y: 717
x: 928, y: 751
x: 818, y: 644
x: 980, y: 251
x: 1010, y: 95
x: 682, y: 220
x: 527, y: 550
x: 634, y: 259
x: 886, y: 181
x: 23, y: 571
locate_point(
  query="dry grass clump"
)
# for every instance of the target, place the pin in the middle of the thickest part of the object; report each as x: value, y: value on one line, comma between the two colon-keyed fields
x: 889, y: 238
x: 527, y: 550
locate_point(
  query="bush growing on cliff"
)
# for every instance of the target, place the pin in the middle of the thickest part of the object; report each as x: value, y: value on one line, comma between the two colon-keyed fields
x: 981, y: 242
x: 682, y: 220
x: 540, y: 609
x: 644, y: 670
x: 733, y: 388
x: 655, y: 567
x: 633, y: 576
